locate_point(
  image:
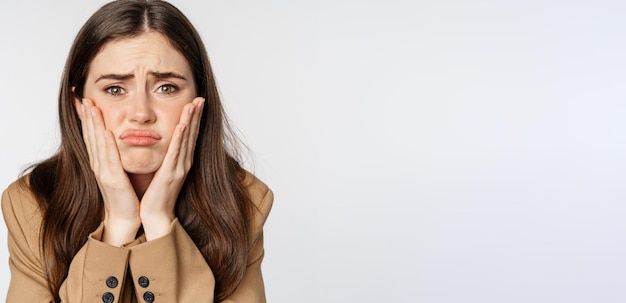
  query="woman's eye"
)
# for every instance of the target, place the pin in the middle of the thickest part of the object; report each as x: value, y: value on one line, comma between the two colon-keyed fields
x: 115, y: 90
x: 167, y: 89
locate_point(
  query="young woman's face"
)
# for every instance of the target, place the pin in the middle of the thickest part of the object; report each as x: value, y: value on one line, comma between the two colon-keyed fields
x: 141, y: 85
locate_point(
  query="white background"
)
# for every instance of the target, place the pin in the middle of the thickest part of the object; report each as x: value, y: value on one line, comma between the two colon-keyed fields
x: 420, y: 151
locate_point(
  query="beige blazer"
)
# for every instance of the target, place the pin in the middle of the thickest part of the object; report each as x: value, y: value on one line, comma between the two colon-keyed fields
x: 165, y: 270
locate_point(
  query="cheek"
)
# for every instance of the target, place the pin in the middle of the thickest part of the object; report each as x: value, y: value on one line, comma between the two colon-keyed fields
x: 171, y: 115
x: 112, y: 117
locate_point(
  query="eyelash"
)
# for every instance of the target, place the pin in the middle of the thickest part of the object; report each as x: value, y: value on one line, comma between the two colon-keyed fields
x: 110, y: 92
x: 173, y: 88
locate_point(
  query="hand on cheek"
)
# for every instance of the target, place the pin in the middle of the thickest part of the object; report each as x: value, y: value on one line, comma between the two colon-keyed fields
x: 159, y: 200
x: 121, y: 204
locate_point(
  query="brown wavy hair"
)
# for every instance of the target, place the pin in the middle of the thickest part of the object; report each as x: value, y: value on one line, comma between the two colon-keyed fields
x: 213, y: 205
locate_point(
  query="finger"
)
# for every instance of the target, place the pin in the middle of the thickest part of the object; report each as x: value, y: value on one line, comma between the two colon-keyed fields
x: 88, y: 132
x: 78, y: 106
x: 107, y: 161
x: 106, y: 150
x: 173, y: 150
x: 195, y: 124
x: 112, y: 152
x: 187, y: 119
x: 189, y: 141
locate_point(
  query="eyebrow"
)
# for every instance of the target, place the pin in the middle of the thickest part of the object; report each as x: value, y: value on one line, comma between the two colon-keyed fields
x: 158, y: 75
x: 167, y: 75
x: 119, y: 77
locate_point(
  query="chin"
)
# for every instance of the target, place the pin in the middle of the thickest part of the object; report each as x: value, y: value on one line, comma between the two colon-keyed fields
x: 141, y: 168
x: 142, y: 163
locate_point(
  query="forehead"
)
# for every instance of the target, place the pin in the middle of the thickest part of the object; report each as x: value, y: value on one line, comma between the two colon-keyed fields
x: 150, y: 51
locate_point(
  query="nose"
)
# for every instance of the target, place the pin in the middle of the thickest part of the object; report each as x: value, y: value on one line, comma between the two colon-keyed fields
x: 141, y: 110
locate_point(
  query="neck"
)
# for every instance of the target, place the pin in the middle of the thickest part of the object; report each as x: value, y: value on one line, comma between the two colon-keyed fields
x: 140, y: 183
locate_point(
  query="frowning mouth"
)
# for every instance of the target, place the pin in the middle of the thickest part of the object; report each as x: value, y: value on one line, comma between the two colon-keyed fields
x: 140, y: 137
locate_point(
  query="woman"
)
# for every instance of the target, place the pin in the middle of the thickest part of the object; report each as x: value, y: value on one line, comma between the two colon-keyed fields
x: 145, y: 200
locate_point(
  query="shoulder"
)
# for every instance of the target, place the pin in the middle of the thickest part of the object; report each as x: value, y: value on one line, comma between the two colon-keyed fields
x: 21, y: 212
x: 19, y: 199
x: 260, y: 195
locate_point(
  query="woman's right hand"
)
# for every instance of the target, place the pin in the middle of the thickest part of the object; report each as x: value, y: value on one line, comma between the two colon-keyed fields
x: 121, y: 205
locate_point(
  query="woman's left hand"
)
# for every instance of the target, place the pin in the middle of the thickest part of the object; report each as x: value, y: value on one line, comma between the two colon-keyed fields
x: 159, y: 200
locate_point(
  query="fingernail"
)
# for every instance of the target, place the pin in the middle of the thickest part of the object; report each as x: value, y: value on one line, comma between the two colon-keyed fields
x: 182, y: 128
x: 93, y: 112
x: 191, y: 109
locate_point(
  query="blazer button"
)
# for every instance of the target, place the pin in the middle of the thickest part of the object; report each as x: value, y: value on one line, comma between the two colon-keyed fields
x: 144, y: 281
x: 108, y: 297
x: 148, y: 296
x: 111, y: 282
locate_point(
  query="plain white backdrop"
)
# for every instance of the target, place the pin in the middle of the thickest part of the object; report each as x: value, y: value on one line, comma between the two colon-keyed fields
x: 420, y: 151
